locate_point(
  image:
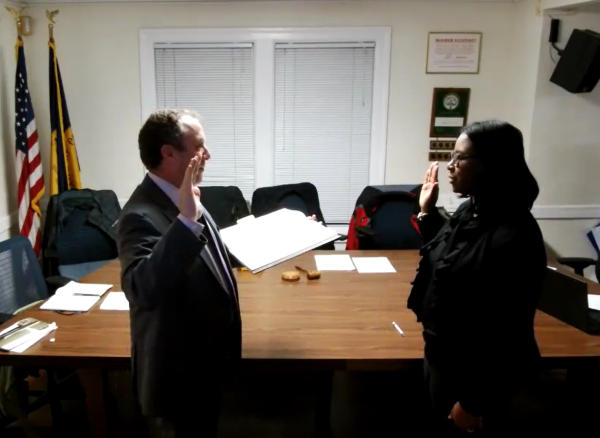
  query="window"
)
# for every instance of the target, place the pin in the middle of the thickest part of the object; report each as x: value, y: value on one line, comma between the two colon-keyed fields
x: 279, y: 106
x: 323, y: 106
x: 217, y: 82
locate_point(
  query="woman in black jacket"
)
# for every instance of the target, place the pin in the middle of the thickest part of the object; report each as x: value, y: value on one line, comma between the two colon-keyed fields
x: 479, y: 280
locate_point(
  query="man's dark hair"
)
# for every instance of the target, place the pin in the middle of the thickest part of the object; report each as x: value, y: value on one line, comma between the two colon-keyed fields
x: 499, y: 145
x: 162, y: 127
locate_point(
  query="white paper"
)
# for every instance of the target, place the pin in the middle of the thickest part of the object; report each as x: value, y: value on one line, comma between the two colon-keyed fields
x: 372, y: 265
x: 37, y: 336
x: 115, y: 301
x: 74, y: 288
x: 334, y: 263
x: 273, y: 238
x: 594, y: 301
x: 70, y: 303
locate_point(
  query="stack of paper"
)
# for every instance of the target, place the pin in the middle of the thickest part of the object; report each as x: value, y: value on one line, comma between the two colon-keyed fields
x: 76, y: 297
x: 115, y: 301
x: 260, y: 243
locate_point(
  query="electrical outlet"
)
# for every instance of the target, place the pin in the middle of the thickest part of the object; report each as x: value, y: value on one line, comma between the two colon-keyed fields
x: 443, y: 145
x: 439, y: 156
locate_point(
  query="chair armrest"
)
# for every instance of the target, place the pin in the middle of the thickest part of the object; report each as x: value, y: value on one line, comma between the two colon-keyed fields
x: 366, y: 231
x: 577, y: 263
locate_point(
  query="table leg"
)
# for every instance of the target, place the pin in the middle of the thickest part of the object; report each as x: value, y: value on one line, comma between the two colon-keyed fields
x: 324, y: 387
x: 93, y: 385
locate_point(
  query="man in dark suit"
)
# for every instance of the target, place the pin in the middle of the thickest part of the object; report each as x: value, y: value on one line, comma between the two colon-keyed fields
x: 177, y: 276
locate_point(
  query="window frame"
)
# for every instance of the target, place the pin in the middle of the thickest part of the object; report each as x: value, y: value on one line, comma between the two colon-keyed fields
x: 264, y: 41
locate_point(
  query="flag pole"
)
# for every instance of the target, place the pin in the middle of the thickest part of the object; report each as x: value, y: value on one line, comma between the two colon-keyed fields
x: 50, y: 16
x: 17, y: 16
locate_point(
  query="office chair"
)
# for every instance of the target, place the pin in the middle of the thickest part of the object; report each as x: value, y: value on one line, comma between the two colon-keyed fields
x: 386, y: 220
x: 301, y: 197
x: 22, y: 286
x: 79, y: 234
x: 226, y: 204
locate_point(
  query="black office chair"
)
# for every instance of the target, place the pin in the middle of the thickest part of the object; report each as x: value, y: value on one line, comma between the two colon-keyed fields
x: 301, y: 197
x: 386, y: 220
x: 80, y: 233
x: 226, y: 204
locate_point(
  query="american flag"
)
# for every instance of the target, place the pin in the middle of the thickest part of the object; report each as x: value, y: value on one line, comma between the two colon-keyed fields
x: 28, y: 161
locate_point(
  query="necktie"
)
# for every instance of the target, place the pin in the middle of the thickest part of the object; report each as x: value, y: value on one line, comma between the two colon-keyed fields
x: 214, y: 254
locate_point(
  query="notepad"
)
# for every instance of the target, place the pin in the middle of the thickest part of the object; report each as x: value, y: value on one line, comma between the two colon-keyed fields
x: 334, y: 263
x: 115, y: 301
x: 74, y: 288
x: 372, y: 265
x: 263, y: 242
x: 594, y: 301
x: 70, y: 303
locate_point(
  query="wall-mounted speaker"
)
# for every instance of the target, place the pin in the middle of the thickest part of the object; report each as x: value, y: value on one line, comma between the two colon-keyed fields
x: 578, y: 69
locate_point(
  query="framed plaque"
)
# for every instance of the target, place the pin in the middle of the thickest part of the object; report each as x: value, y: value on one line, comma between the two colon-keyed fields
x: 449, y: 113
x: 453, y: 52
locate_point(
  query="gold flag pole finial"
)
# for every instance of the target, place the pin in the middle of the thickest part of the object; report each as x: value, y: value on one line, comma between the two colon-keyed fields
x: 50, y: 16
x: 17, y: 16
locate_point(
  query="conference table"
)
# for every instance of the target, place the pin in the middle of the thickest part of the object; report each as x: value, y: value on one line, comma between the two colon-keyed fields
x: 342, y: 321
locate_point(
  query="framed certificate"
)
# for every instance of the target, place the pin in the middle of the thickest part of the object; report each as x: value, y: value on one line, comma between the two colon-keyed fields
x: 449, y: 112
x: 453, y: 52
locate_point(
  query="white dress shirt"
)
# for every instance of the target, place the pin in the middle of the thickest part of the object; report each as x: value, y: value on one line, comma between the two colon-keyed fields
x: 173, y: 193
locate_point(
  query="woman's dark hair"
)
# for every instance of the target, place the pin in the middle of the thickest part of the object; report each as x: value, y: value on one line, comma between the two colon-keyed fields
x: 499, y: 146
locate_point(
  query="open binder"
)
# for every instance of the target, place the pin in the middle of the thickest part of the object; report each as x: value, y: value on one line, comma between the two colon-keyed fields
x: 263, y: 242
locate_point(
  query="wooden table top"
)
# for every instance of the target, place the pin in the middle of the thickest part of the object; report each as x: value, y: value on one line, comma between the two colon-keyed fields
x: 344, y: 320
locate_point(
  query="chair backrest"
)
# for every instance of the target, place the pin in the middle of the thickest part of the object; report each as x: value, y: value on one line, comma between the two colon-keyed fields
x: 226, y: 204
x: 390, y: 222
x: 79, y: 231
x: 303, y: 197
x: 21, y: 279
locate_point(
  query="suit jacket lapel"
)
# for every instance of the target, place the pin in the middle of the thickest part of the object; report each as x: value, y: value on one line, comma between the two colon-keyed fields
x: 170, y: 210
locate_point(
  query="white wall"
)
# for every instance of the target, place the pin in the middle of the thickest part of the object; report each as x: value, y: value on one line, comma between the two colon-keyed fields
x: 8, y: 201
x: 98, y: 53
x: 565, y: 145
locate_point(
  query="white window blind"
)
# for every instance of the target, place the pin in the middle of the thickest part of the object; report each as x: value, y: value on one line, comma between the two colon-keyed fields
x: 323, y: 110
x: 217, y: 81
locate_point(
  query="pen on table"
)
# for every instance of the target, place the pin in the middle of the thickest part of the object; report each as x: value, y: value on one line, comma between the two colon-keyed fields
x: 398, y: 328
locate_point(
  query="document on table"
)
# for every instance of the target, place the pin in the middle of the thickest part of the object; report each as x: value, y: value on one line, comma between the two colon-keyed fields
x: 70, y: 303
x: 76, y: 297
x: 263, y: 242
x: 372, y: 265
x: 334, y: 263
x: 115, y: 301
x: 74, y: 288
x: 594, y: 301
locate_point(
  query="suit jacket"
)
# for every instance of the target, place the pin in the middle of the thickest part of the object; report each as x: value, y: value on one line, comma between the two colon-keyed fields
x: 184, y: 320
